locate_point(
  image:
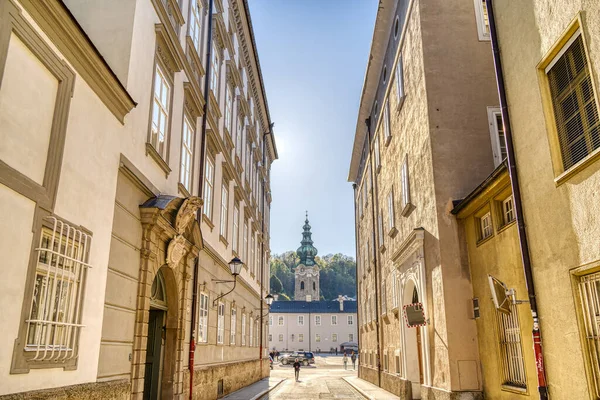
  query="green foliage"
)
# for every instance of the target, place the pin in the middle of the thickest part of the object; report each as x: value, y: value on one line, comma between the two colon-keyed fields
x: 337, y: 273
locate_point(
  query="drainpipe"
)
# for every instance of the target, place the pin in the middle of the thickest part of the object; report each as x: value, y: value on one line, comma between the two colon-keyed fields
x: 514, y: 178
x: 201, y: 194
x: 375, y: 199
x: 356, y: 269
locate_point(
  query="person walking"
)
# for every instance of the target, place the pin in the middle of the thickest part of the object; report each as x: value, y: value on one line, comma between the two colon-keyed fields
x: 345, y: 360
x: 353, y: 358
x: 297, y: 369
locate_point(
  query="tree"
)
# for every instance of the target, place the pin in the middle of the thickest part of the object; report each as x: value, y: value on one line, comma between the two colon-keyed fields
x: 276, y: 286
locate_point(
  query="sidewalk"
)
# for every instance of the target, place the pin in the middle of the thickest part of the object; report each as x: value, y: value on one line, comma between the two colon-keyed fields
x: 256, y: 390
x: 369, y: 390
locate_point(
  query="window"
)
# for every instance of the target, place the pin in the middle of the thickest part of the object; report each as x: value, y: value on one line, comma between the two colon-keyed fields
x: 224, y: 203
x: 380, y: 228
x: 54, y: 321
x: 589, y: 291
x: 317, y: 320
x: 317, y: 337
x: 485, y: 226
x: 270, y: 320
x: 203, y: 319
x: 236, y: 228
x: 251, y: 343
x: 209, y: 176
x: 301, y: 320
x: 280, y: 321
x: 239, y: 138
x: 302, y: 285
x: 228, y: 109
x: 351, y: 337
x: 405, y: 187
x: 386, y: 123
x: 195, y: 31
x: 220, y: 322
x: 384, y: 74
x: 383, y: 298
x: 350, y: 319
x: 160, y: 112
x: 497, y: 135
x: 575, y: 109
x: 400, y: 81
x: 301, y: 337
x: 214, y: 72
x: 391, y: 216
x: 508, y: 213
x: 233, y: 326
x: 245, y: 249
x: 509, y: 335
x: 251, y: 259
x: 334, y: 320
x: 377, y: 155
x: 334, y: 337
x: 281, y: 337
x: 396, y: 27
x: 483, y: 23
x: 394, y: 289
x: 243, y: 329
x: 185, y: 173
x: 270, y: 337
x: 314, y: 285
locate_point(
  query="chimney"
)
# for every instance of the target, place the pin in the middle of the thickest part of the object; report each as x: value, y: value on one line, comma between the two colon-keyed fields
x: 275, y: 297
x: 308, y: 298
x: 341, y: 300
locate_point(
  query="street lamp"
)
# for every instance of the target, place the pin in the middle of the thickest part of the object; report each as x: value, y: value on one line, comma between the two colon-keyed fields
x: 269, y: 300
x: 235, y: 266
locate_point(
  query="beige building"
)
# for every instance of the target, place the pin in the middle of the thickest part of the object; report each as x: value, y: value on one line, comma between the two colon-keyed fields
x: 108, y: 271
x: 550, y: 51
x: 427, y: 133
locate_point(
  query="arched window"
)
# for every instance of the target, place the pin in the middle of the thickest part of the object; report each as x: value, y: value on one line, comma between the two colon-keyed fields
x: 302, y: 285
x: 314, y: 286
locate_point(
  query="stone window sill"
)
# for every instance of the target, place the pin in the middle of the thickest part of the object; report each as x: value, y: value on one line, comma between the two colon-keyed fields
x: 223, y: 240
x: 208, y: 221
x: 151, y: 151
x: 182, y: 189
x: 393, y: 232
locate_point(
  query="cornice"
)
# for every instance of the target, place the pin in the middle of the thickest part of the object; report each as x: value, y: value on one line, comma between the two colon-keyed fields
x: 193, y: 103
x: 66, y: 34
x: 411, y: 244
x: 233, y: 73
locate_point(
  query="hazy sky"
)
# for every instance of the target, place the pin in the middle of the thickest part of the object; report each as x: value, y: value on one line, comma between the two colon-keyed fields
x: 313, y: 55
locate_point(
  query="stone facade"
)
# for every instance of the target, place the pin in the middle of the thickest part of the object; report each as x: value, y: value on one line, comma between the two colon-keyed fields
x: 429, y: 144
x: 106, y: 163
x: 306, y: 282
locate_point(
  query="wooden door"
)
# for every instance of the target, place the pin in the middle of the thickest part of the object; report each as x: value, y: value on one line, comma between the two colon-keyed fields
x: 153, y: 355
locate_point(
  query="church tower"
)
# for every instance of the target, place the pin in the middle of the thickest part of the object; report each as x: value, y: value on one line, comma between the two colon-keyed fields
x: 307, y: 271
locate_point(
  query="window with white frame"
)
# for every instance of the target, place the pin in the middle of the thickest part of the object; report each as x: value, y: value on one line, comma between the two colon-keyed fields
x: 380, y: 228
x: 236, y: 228
x: 203, y: 319
x: 301, y: 337
x: 301, y: 320
x: 483, y: 23
x: 317, y: 337
x: 243, y: 329
x: 334, y: 320
x: 187, y: 148
x: 195, y: 25
x: 160, y: 112
x: 394, y: 289
x: 220, y: 323
x: 251, y: 258
x: 214, y: 72
x: 270, y: 320
x: 224, y: 209
x: 281, y: 337
x: 508, y: 212
x: 405, y: 181
x: 54, y: 323
x: 280, y: 320
x: 376, y: 151
x: 351, y: 337
x: 233, y: 326
x: 485, y: 226
x: 228, y: 110
x: 209, y: 179
x: 391, y: 214
x: 317, y: 320
x: 350, y: 319
x: 400, y: 81
x: 511, y: 350
x: 574, y: 102
x: 334, y: 337
x: 270, y: 337
x: 386, y: 123
x: 383, y: 297
x: 245, y: 244
x: 239, y: 138
x: 251, y: 342
x: 497, y: 135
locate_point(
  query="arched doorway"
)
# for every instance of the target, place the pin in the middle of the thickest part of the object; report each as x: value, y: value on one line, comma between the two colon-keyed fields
x: 162, y: 328
x: 413, y: 343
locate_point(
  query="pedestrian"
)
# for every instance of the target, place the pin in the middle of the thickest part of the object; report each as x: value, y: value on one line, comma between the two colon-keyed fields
x: 345, y: 360
x: 336, y: 351
x: 297, y: 369
x: 353, y: 358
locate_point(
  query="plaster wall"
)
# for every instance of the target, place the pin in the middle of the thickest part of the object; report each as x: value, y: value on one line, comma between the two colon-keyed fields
x: 561, y: 217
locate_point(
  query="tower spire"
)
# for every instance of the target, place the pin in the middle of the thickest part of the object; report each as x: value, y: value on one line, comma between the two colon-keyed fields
x: 307, y: 252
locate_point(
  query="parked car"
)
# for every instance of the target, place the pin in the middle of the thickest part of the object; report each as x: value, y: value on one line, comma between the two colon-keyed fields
x: 283, y: 354
x: 305, y: 357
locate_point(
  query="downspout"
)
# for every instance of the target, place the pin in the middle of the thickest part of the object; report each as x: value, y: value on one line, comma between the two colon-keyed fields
x: 375, y: 199
x: 201, y: 194
x: 356, y: 244
x: 516, y: 189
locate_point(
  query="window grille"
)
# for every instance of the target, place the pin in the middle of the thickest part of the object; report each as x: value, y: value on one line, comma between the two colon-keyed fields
x: 513, y: 364
x: 508, y: 213
x: 233, y: 326
x: 220, y: 323
x: 575, y: 110
x: 160, y: 112
x: 203, y: 319
x: 209, y: 177
x: 185, y: 174
x: 54, y: 322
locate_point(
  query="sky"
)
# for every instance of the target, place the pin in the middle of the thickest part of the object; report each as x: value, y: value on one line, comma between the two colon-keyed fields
x: 313, y: 56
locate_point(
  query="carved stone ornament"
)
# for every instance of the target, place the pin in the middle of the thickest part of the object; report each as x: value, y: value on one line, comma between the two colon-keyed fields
x: 187, y: 213
x: 176, y: 250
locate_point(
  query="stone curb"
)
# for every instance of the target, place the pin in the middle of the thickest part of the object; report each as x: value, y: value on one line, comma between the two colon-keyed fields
x: 363, y: 394
x: 261, y: 394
